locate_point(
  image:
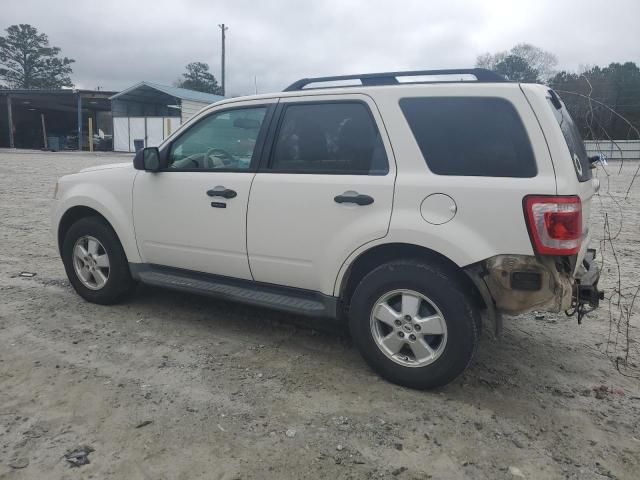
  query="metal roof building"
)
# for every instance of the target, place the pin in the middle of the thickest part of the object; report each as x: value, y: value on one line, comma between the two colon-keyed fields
x: 53, y: 118
x: 146, y: 113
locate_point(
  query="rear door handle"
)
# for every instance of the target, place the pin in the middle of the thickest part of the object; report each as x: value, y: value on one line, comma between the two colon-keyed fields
x: 353, y: 197
x: 223, y: 192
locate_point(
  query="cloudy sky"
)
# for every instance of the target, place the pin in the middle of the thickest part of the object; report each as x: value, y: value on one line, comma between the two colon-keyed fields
x: 118, y: 43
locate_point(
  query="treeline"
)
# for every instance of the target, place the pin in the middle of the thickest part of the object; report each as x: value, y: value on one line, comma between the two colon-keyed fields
x: 603, y: 101
x: 599, y: 96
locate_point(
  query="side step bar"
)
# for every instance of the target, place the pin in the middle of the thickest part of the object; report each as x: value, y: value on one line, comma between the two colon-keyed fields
x: 288, y: 299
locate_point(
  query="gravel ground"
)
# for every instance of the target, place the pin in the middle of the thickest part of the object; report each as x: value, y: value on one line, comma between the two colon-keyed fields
x: 175, y: 386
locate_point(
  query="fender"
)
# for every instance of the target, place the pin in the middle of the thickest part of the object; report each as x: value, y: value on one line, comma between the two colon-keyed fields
x: 109, y: 194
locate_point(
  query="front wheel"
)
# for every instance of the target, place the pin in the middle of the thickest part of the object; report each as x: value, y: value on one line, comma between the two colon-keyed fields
x: 95, y: 262
x: 414, y: 324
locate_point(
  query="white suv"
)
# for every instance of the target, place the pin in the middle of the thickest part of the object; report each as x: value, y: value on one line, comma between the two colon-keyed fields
x: 408, y: 207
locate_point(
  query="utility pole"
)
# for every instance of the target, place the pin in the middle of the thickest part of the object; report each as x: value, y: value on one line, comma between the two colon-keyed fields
x: 222, y: 82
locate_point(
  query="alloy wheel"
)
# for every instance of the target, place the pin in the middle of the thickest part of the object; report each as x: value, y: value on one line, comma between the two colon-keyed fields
x: 91, y: 262
x: 408, y: 328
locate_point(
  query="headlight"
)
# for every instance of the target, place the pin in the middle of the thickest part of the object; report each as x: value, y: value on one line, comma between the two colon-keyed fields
x: 55, y: 191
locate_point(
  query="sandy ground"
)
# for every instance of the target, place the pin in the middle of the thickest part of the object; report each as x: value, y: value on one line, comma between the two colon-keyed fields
x: 237, y: 392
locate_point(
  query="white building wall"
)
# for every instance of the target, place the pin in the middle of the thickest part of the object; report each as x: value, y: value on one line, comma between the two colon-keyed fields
x: 190, y: 108
x: 137, y: 129
x: 121, y: 134
x: 153, y: 130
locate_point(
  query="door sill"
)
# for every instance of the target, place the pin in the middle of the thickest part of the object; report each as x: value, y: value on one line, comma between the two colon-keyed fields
x: 287, y: 299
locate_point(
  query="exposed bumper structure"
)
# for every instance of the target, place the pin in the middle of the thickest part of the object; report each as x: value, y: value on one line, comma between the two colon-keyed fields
x: 586, y: 288
x: 520, y: 283
x: 513, y: 284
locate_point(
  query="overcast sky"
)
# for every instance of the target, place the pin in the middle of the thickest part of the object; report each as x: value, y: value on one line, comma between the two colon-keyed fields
x: 118, y: 43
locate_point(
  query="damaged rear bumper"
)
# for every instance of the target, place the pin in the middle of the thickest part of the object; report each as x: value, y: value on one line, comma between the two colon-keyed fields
x: 514, y: 284
x: 587, y: 277
x: 521, y: 283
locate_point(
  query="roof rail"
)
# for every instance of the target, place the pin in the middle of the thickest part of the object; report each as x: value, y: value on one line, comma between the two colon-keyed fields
x: 390, y: 78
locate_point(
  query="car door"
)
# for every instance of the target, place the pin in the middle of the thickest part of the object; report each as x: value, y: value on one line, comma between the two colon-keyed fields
x: 192, y: 213
x: 325, y: 188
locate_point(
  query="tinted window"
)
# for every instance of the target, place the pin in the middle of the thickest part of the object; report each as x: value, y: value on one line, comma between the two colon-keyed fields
x: 479, y: 136
x: 572, y: 137
x: 221, y: 141
x: 329, y: 138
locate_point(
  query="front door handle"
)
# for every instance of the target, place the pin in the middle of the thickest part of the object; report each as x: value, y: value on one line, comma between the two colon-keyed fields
x: 223, y: 192
x: 353, y: 197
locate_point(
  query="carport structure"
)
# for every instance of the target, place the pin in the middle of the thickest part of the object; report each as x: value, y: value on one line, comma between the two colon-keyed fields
x: 147, y: 113
x: 52, y: 118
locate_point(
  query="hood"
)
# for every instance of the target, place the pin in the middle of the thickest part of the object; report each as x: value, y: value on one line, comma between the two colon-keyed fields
x: 107, y: 167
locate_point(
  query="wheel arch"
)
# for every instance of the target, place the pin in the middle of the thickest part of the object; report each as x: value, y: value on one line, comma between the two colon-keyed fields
x: 74, y: 214
x: 387, y: 252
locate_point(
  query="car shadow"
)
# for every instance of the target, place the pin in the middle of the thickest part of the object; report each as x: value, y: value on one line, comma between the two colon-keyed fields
x: 225, y: 311
x: 501, y: 365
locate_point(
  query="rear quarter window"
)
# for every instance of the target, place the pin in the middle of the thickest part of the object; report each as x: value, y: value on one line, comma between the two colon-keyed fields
x: 572, y: 137
x: 472, y: 136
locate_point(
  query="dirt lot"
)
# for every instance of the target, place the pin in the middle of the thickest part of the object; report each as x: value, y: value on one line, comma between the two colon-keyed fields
x: 238, y: 392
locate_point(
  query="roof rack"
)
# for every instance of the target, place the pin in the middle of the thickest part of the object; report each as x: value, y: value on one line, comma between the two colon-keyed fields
x: 390, y: 78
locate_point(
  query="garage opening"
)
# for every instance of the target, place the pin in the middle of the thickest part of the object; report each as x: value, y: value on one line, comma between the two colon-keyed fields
x: 64, y: 119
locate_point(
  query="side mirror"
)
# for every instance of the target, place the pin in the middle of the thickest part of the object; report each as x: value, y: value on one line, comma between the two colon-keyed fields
x: 147, y: 159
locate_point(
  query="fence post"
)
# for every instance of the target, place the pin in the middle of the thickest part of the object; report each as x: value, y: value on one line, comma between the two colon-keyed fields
x: 90, y: 133
x: 44, y: 132
x: 10, y: 120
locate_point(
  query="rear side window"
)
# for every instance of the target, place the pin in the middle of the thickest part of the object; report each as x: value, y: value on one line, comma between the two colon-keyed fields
x: 474, y: 136
x: 329, y: 137
x: 572, y: 137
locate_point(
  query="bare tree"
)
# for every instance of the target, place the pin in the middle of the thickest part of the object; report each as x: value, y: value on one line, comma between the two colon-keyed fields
x: 542, y: 61
x: 487, y: 60
x: 537, y: 59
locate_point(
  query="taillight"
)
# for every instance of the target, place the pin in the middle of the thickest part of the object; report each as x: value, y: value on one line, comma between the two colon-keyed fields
x: 555, y: 224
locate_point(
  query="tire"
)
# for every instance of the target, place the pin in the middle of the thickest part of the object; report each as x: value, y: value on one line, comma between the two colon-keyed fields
x: 444, y: 312
x: 116, y: 282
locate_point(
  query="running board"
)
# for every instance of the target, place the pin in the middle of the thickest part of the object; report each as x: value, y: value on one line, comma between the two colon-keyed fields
x: 288, y: 299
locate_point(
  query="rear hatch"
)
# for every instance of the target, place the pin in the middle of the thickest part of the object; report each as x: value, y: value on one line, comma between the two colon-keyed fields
x: 586, y: 185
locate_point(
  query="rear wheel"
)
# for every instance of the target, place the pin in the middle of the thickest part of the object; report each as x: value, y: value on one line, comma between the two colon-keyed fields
x: 95, y: 262
x: 414, y: 323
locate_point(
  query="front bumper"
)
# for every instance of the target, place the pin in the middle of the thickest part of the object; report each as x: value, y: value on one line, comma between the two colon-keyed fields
x: 54, y: 219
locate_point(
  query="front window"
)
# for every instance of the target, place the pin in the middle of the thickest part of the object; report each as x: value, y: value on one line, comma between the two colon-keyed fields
x: 222, y: 141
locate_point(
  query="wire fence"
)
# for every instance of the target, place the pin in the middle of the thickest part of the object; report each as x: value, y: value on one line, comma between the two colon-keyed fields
x: 617, y: 207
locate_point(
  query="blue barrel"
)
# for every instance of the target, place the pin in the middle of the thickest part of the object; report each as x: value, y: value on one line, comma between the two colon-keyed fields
x: 138, y: 144
x: 53, y: 143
